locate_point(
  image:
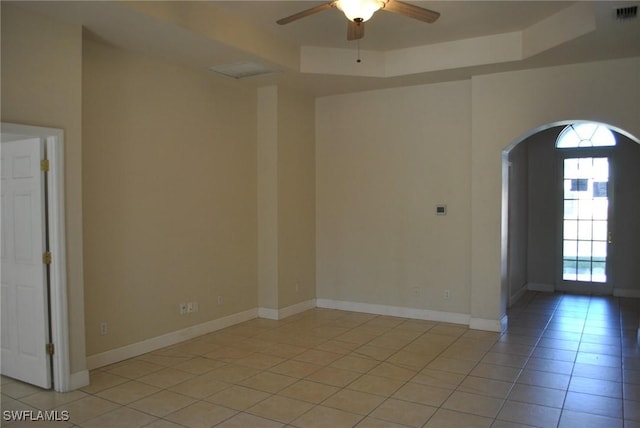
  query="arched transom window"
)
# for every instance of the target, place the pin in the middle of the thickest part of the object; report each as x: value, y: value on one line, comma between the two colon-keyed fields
x: 585, y: 135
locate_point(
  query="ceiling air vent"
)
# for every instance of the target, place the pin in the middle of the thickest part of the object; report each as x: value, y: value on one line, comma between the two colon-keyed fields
x: 240, y: 70
x: 627, y: 12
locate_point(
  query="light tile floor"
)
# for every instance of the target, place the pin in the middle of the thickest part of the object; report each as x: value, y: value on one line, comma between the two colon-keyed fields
x: 565, y: 361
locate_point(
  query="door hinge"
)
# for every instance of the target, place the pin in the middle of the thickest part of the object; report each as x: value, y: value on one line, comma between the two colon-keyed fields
x: 44, y: 165
x: 50, y: 348
x: 46, y: 258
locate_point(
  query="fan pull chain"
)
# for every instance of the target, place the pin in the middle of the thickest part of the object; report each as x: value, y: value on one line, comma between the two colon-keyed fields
x: 358, y: 60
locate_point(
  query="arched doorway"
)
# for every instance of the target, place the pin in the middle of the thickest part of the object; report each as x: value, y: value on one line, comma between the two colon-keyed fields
x: 537, y: 257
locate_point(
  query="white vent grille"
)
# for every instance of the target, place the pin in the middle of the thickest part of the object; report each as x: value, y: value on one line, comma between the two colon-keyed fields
x: 627, y: 12
x: 240, y: 70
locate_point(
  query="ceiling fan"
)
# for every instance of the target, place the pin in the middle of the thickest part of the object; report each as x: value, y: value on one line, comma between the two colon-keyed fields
x: 359, y: 11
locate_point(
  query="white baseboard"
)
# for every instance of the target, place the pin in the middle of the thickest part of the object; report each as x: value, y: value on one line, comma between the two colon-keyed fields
x: 396, y: 311
x: 139, y: 348
x: 499, y: 326
x: 297, y: 308
x: 135, y: 349
x: 626, y: 292
x: 78, y: 380
x: 278, y: 314
x: 270, y: 314
x: 149, y: 345
x: 545, y: 288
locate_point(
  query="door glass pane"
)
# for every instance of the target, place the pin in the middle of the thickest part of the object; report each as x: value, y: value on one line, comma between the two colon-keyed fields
x: 601, y: 169
x: 584, y: 230
x: 600, y: 208
x: 600, y: 230
x: 570, y: 250
x: 599, y: 251
x: 569, y: 270
x: 584, y: 270
x: 571, y: 168
x: 570, y: 208
x: 598, y: 272
x: 570, y: 229
x: 586, y: 204
x: 584, y: 250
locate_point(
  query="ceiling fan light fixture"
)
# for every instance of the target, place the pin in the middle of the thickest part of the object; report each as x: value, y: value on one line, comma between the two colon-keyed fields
x: 359, y: 10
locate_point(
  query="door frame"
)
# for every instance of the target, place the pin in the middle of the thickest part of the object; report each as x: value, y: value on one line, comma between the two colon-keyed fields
x: 54, y: 145
x: 561, y: 284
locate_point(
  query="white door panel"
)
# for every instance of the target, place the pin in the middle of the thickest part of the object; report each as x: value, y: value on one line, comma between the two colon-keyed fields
x: 24, y: 293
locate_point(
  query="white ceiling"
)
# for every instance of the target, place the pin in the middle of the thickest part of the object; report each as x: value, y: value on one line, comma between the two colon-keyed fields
x: 471, y: 37
x: 386, y: 31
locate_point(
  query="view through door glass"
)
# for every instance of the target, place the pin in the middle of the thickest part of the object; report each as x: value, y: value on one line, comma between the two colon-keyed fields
x: 586, y: 202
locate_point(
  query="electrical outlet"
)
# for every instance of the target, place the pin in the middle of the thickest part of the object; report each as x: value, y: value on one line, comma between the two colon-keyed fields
x: 183, y: 308
x: 190, y: 307
x: 447, y: 294
x: 219, y: 300
x: 104, y: 328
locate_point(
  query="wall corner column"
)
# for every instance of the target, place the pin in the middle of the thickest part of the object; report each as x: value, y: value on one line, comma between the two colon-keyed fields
x: 267, y: 165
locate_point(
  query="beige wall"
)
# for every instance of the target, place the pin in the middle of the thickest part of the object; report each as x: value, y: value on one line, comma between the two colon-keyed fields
x: 542, y: 207
x: 170, y: 199
x: 41, y: 85
x: 384, y: 160
x: 286, y: 198
x: 626, y: 230
x: 518, y: 221
x: 507, y: 107
x: 267, y: 141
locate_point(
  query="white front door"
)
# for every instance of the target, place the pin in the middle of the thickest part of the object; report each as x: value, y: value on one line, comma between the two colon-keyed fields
x: 25, y: 320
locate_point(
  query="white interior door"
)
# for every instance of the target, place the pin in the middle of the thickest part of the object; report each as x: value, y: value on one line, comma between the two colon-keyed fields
x: 25, y: 330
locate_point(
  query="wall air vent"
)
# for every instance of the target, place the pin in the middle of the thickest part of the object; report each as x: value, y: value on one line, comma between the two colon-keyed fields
x: 626, y: 12
x: 240, y: 70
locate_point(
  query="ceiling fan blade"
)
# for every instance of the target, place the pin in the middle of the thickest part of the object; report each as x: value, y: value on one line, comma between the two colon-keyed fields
x: 355, y: 30
x: 305, y: 13
x: 412, y: 11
